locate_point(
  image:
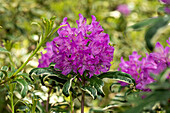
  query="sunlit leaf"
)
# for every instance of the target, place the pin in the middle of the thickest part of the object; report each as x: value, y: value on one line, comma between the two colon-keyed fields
x: 118, y: 75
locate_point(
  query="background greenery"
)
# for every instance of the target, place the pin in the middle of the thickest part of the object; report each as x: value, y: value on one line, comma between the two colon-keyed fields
x: 20, y: 37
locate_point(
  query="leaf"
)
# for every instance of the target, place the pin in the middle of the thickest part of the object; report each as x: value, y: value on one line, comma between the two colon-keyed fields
x: 61, y: 107
x: 25, y: 75
x: 24, y: 86
x: 40, y: 107
x: 66, y: 87
x: 113, y: 86
x: 21, y: 109
x: 98, y: 84
x: 90, y: 90
x: 4, y: 70
x: 153, y: 30
x: 48, y: 74
x: 144, y: 23
x: 118, y: 75
x: 3, y: 50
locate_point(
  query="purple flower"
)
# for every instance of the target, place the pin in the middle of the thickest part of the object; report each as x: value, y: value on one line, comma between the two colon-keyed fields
x: 161, y: 57
x: 85, y: 48
x: 123, y: 8
x: 45, y: 59
x: 166, y: 1
x: 139, y: 70
x: 167, y: 10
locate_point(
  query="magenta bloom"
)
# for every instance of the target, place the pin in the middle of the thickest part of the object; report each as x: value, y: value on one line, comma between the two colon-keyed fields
x: 45, y: 59
x: 83, y: 48
x: 167, y: 10
x: 123, y: 8
x: 139, y: 70
x: 161, y: 57
x: 166, y: 1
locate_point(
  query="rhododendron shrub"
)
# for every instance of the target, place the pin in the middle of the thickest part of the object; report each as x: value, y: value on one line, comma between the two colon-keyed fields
x: 84, y: 54
x: 78, y: 49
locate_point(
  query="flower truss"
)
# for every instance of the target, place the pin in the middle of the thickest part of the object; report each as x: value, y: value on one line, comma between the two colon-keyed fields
x: 85, y: 48
x: 140, y: 70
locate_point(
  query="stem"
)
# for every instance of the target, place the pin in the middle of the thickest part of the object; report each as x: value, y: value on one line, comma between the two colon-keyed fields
x: 82, y: 102
x: 71, y: 103
x: 48, y: 99
x: 11, y: 61
x: 83, y: 95
x: 12, y: 87
x: 12, y: 102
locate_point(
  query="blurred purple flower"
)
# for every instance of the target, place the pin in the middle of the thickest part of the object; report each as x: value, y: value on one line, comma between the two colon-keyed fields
x: 139, y: 70
x: 83, y: 48
x: 166, y: 1
x: 167, y: 10
x: 123, y: 8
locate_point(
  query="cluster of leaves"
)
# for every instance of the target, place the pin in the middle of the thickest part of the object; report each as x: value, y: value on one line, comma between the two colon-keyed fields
x: 93, y: 87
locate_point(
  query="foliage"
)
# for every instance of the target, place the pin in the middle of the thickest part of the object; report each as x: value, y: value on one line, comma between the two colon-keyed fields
x: 24, y: 30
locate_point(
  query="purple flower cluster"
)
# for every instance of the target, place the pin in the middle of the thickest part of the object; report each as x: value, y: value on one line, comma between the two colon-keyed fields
x: 78, y: 49
x: 161, y: 57
x: 140, y: 70
x: 123, y: 8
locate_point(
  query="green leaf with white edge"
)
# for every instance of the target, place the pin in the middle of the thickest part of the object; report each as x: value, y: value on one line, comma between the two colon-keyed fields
x: 24, y: 87
x: 67, y: 86
x: 118, y: 75
x: 114, y: 87
x: 3, y: 50
x: 24, y: 75
x: 144, y: 23
x: 150, y: 33
x: 4, y: 70
x: 61, y: 107
x: 23, y: 109
x: 98, y: 84
x: 40, y: 107
x: 90, y: 90
x: 44, y: 73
